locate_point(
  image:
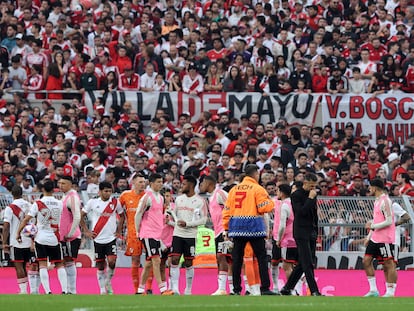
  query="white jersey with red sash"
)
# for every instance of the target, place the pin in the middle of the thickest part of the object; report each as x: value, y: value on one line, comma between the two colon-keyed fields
x: 191, y: 85
x: 14, y: 214
x: 103, y: 217
x: 48, y: 211
x: 71, y: 206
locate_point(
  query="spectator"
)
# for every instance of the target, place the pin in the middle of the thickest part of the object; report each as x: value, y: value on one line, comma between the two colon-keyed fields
x: 54, y: 81
x: 129, y: 81
x: 234, y: 82
x: 193, y: 82
x: 337, y: 83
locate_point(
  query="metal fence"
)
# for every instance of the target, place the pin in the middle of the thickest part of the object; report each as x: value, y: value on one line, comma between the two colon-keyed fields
x: 341, y: 221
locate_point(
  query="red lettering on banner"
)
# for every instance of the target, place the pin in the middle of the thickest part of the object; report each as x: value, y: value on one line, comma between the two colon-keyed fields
x: 191, y: 103
x: 405, y: 115
x: 396, y: 133
x: 333, y: 106
x: 214, y: 101
x: 356, y: 108
x: 390, y: 103
x: 371, y: 105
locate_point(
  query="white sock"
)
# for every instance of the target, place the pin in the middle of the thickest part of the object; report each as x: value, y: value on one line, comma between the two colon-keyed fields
x: 372, y: 284
x: 275, y: 277
x: 391, y: 287
x: 71, y: 273
x: 246, y: 284
x: 44, y: 279
x: 230, y: 280
x: 163, y: 287
x: 222, y: 280
x: 175, y: 276
x: 22, y: 285
x: 101, y: 275
x: 109, y: 276
x: 33, y: 281
x: 189, y: 276
x: 63, y: 279
x: 299, y: 287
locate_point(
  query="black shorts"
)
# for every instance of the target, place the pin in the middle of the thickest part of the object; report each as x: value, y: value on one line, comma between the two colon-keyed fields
x: 291, y: 255
x: 104, y: 250
x: 70, y: 249
x: 183, y: 246
x: 24, y: 255
x: 382, y: 251
x: 152, y: 248
x: 276, y: 253
x: 221, y: 246
x: 43, y: 252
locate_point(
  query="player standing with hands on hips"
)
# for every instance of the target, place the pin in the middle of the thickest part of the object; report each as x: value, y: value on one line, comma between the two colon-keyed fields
x: 305, y: 232
x: 244, y: 222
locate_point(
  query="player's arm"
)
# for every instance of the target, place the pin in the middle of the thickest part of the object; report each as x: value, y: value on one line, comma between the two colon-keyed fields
x: 386, y: 210
x: 405, y: 218
x: 265, y: 203
x: 75, y: 207
x: 23, y: 223
x: 143, y: 204
x: 227, y: 212
x: 202, y: 219
x: 284, y: 214
x: 6, y: 233
x: 84, y: 227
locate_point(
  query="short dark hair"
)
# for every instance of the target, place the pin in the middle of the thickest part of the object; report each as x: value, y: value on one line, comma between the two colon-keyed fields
x: 251, y: 169
x: 285, y: 189
x: 191, y: 179
x: 104, y: 185
x: 153, y: 177
x: 311, y: 177
x: 48, y: 185
x: 65, y: 177
x: 17, y: 191
x: 210, y: 178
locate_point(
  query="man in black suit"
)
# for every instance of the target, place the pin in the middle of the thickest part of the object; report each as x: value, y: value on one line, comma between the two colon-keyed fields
x: 305, y: 231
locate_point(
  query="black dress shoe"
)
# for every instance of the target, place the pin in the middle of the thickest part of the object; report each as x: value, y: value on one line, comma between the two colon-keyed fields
x: 316, y: 294
x: 246, y: 293
x: 236, y: 294
x: 285, y: 292
x: 269, y: 293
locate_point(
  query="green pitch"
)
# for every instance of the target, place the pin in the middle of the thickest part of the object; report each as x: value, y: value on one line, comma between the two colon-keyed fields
x: 196, y: 303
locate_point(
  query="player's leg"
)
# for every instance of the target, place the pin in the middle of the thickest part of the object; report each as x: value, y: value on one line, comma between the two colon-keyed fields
x: 70, y: 253
x: 33, y: 274
x: 249, y: 269
x: 276, y: 259
x: 41, y: 256
x: 189, y: 254
x: 177, y: 250
x: 56, y: 257
x: 111, y: 255
x: 100, y: 265
x: 134, y: 249
x: 372, y: 251
x: 390, y: 271
x: 297, y: 270
x: 222, y: 265
x: 17, y: 257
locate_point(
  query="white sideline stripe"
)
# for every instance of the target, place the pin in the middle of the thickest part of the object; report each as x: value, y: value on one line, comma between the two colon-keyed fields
x: 235, y: 305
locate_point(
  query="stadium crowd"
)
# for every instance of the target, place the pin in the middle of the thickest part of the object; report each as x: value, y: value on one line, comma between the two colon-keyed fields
x: 203, y: 46
x: 191, y: 46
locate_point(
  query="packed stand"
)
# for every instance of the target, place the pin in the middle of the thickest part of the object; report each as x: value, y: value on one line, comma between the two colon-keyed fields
x: 69, y: 47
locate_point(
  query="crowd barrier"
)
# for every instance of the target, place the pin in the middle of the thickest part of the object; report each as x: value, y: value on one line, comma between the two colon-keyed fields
x: 339, y: 244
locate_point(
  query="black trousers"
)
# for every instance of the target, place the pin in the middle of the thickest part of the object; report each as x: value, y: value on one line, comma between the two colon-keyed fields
x: 306, y: 253
x: 259, y: 248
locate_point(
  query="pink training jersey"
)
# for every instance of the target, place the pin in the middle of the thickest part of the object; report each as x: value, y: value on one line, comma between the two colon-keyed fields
x: 71, y: 205
x: 287, y: 238
x: 387, y: 234
x: 216, y: 204
x: 276, y: 217
x: 153, y: 219
x: 167, y: 230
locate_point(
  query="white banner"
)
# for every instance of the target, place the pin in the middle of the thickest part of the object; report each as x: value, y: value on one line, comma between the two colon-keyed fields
x: 296, y: 108
x: 387, y: 114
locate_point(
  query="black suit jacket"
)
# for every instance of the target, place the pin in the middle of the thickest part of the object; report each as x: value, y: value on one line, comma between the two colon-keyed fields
x: 305, y: 224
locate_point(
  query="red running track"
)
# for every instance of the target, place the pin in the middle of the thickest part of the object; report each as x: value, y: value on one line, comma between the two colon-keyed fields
x: 331, y: 282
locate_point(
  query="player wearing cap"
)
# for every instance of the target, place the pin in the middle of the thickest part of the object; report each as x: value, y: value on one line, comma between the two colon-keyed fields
x: 381, y: 241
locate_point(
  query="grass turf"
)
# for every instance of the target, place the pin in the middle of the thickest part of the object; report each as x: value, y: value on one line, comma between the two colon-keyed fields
x: 199, y: 303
